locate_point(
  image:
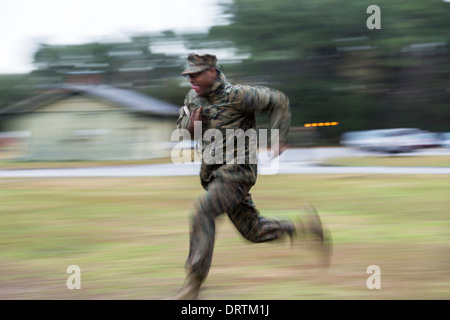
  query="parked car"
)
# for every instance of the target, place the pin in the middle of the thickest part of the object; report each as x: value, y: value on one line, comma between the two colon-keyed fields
x: 390, y: 140
x: 445, y: 140
x: 425, y: 139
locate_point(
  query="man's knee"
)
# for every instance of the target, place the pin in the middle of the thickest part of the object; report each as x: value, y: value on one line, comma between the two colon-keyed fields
x: 221, y: 197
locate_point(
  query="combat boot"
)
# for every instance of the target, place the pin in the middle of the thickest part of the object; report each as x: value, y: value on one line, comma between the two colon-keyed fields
x: 190, y: 289
x: 311, y: 230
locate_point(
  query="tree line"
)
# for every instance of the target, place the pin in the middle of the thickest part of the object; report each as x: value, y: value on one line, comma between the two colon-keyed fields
x: 321, y: 53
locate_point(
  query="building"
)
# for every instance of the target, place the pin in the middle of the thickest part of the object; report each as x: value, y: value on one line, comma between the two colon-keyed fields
x: 89, y: 122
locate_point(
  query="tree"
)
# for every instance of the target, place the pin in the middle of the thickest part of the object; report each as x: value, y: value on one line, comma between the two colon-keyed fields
x: 333, y: 67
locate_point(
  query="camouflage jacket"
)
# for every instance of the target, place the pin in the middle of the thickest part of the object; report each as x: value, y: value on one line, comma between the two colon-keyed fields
x: 227, y: 106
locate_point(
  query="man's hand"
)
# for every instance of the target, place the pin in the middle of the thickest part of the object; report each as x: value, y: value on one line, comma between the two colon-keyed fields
x: 278, y: 149
x: 196, y: 115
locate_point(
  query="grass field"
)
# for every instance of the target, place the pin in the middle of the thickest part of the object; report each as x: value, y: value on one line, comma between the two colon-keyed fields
x: 391, y: 161
x: 129, y: 236
x: 25, y: 165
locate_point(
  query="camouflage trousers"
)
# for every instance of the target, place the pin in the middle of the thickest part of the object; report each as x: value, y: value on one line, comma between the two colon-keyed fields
x: 234, y: 200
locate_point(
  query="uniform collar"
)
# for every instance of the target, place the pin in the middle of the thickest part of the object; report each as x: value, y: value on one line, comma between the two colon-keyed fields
x: 217, y: 86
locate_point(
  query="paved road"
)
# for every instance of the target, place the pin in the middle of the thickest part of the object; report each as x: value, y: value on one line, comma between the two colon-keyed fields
x: 302, y: 161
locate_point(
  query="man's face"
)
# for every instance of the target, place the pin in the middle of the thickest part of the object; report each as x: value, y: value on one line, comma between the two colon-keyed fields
x: 202, y: 81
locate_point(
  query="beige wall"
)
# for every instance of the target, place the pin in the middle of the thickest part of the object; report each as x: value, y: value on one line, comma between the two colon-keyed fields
x: 78, y: 128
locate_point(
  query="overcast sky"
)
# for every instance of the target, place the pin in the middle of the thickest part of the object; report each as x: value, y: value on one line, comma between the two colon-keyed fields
x: 24, y: 24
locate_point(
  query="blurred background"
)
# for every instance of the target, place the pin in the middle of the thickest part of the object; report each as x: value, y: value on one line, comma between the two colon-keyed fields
x: 100, y: 80
x: 110, y: 82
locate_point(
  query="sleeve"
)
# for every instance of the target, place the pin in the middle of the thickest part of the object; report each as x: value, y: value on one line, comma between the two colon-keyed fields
x: 183, y: 118
x: 273, y: 102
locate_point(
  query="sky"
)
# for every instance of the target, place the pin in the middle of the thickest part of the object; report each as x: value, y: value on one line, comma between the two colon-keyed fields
x: 24, y: 24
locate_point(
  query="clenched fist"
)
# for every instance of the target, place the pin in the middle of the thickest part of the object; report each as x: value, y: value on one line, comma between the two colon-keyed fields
x: 196, y: 115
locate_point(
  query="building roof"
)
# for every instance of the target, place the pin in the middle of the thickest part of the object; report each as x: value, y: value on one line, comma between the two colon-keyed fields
x: 134, y: 101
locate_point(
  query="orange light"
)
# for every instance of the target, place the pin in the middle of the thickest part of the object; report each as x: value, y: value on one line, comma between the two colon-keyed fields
x: 321, y: 124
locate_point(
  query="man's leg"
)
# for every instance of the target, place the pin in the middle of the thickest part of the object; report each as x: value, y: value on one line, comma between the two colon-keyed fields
x: 220, y: 197
x: 256, y: 228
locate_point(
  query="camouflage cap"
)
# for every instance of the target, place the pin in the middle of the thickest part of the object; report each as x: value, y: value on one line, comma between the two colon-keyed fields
x: 199, y: 63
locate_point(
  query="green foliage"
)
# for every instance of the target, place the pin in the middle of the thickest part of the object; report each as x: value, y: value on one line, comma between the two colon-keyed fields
x: 13, y: 88
x: 319, y: 52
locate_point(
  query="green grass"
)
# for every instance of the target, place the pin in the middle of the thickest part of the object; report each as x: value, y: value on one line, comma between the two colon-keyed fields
x: 130, y: 238
x: 391, y: 161
x: 20, y: 165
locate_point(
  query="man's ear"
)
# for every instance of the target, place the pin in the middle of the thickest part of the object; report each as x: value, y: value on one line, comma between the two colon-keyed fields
x: 213, y: 72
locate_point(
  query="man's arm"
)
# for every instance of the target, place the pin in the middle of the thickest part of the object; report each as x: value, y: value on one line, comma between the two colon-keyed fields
x: 187, y: 117
x: 196, y: 115
x: 271, y: 101
x: 184, y: 115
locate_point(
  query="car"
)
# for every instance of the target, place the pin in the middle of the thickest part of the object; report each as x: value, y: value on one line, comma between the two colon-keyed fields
x: 445, y: 139
x: 425, y: 139
x: 390, y: 140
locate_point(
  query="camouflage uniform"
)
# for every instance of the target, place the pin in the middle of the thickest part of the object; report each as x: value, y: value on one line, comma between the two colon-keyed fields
x: 227, y: 185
